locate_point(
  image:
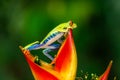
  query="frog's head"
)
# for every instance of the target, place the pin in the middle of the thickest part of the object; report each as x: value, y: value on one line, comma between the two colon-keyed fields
x: 71, y: 25
x: 66, y: 26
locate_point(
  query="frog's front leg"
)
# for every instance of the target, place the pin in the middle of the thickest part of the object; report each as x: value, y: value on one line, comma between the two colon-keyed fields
x: 60, y: 41
x: 49, y: 49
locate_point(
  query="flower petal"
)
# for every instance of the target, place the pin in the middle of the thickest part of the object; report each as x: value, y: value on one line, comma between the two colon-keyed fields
x: 66, y: 60
x: 39, y: 72
x: 104, y: 76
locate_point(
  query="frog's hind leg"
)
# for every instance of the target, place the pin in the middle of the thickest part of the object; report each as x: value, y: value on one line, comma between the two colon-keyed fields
x: 49, y: 49
x: 46, y: 51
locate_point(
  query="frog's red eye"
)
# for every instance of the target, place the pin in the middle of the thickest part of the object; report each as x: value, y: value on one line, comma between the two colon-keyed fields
x: 70, y: 23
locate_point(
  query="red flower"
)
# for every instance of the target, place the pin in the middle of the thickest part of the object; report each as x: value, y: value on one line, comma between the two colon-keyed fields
x: 65, y: 63
x: 104, y: 76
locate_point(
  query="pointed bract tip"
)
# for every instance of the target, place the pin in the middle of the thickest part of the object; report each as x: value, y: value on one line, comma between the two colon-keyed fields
x: 21, y: 48
x: 104, y: 76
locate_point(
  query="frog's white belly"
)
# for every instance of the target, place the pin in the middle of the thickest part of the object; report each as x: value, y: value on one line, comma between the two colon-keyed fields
x: 52, y: 40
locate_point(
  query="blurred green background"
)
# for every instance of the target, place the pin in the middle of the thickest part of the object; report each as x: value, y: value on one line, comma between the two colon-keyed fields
x: 97, y: 37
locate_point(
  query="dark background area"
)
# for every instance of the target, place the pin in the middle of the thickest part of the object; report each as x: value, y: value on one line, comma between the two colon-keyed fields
x: 97, y: 37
